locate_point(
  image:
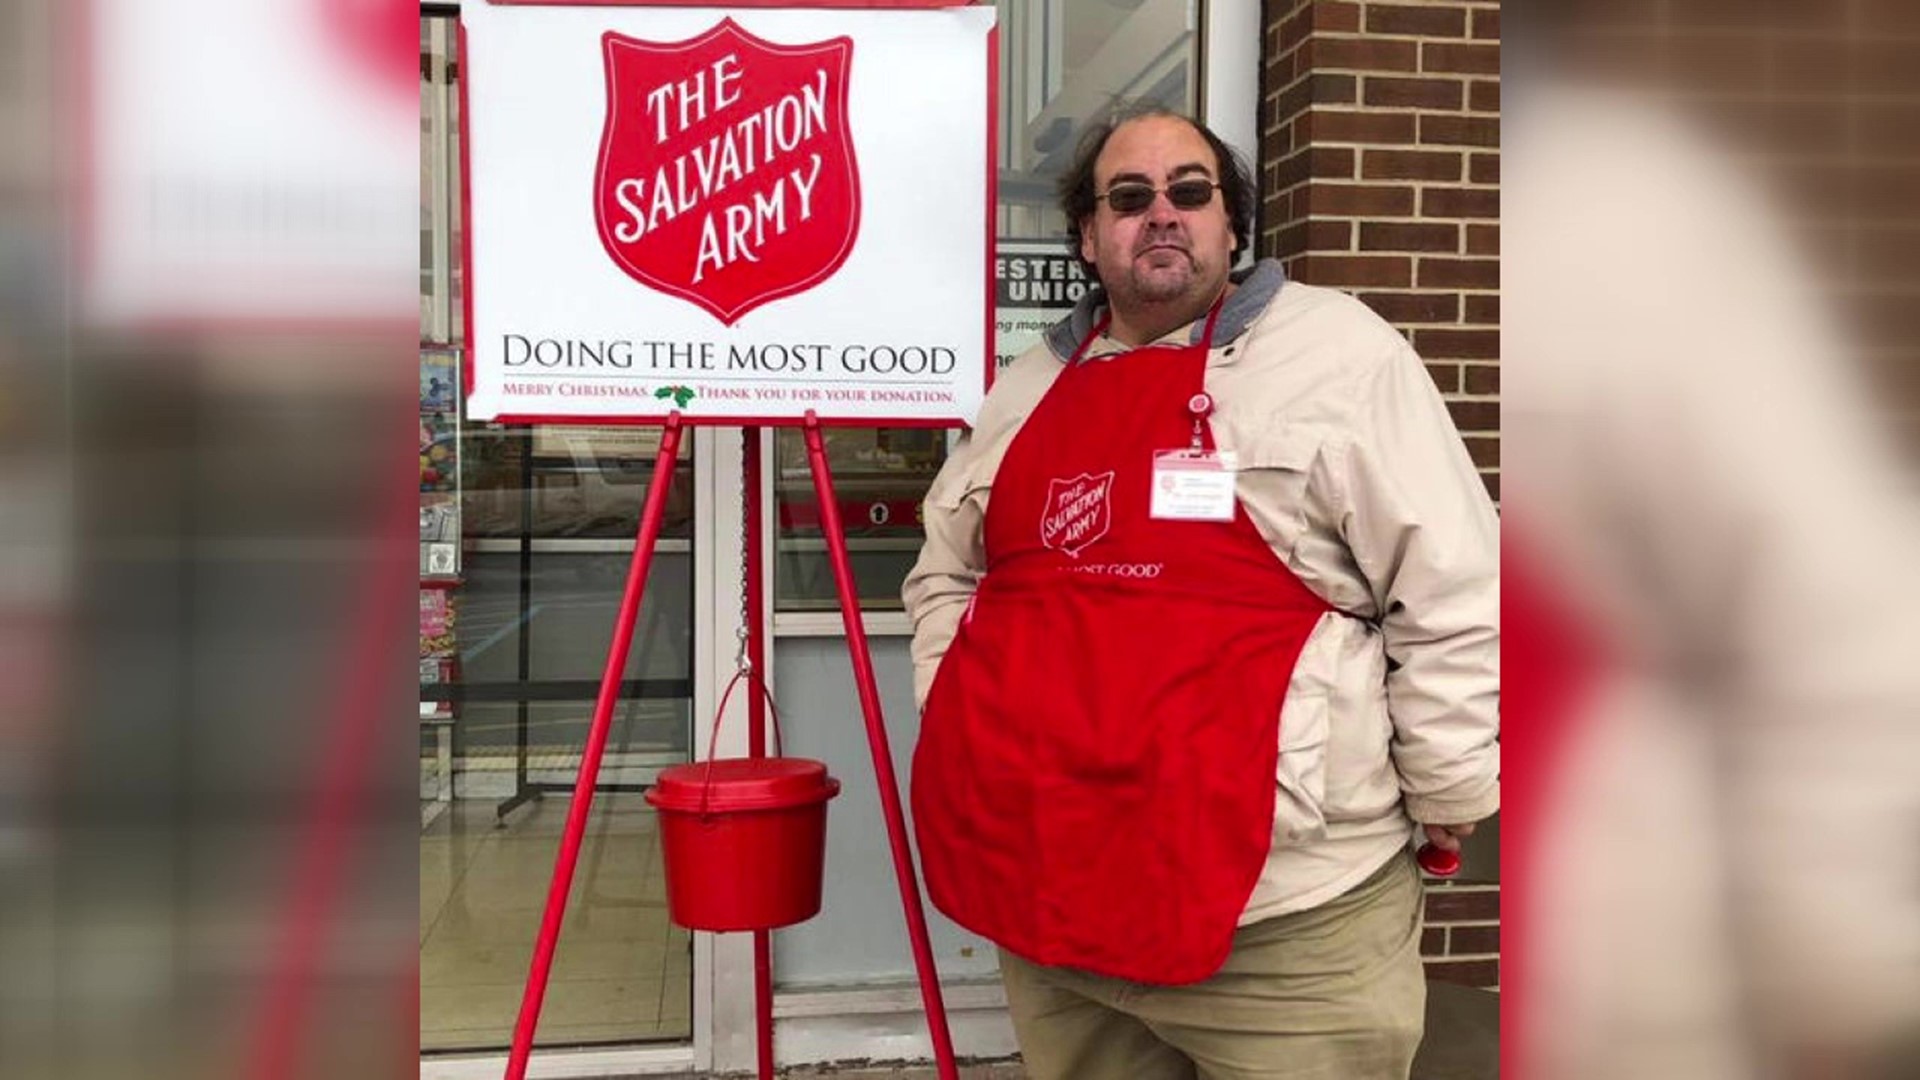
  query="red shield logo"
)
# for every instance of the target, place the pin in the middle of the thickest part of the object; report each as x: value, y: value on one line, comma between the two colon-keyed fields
x: 1078, y: 511
x: 726, y: 172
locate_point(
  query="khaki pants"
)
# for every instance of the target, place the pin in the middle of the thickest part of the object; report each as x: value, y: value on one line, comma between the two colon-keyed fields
x: 1335, y: 992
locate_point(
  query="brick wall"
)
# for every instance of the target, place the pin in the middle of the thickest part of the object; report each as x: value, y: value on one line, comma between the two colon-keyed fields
x: 1461, y: 941
x: 1380, y: 175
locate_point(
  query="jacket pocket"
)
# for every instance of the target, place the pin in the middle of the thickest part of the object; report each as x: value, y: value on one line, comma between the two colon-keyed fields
x: 1272, y: 482
x: 1361, y: 783
x: 1299, y: 809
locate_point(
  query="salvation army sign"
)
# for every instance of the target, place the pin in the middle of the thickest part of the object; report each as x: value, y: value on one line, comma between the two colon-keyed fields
x: 766, y: 205
x: 741, y: 214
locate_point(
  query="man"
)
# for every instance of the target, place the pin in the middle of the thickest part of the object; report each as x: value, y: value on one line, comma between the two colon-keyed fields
x: 1211, y: 594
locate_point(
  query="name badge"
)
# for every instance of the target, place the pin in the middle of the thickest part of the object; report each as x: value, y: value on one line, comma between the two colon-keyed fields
x: 1192, y: 485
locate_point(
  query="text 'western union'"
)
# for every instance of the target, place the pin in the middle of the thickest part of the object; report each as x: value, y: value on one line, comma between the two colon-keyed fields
x: 1039, y: 280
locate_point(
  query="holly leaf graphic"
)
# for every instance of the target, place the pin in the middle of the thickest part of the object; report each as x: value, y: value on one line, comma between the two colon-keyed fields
x: 680, y: 394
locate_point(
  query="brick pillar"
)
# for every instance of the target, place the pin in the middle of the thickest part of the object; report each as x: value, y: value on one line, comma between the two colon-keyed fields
x: 1380, y: 175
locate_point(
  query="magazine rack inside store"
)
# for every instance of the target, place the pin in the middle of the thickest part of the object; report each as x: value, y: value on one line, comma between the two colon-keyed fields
x: 833, y: 530
x: 440, y: 495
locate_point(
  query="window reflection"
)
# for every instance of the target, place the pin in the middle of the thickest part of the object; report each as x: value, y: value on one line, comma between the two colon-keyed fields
x: 575, y: 482
x: 1064, y: 64
x: 879, y: 477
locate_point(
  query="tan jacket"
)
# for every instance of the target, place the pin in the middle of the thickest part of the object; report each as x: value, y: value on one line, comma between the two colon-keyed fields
x: 1351, y: 468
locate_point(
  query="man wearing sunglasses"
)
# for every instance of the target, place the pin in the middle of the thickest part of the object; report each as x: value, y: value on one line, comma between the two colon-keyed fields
x: 1205, y: 637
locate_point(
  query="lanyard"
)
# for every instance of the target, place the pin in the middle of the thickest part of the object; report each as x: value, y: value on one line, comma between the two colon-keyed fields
x: 1200, y: 405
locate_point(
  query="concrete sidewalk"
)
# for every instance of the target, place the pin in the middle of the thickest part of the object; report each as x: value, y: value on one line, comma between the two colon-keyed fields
x: 1462, y: 1043
x: 999, y: 1070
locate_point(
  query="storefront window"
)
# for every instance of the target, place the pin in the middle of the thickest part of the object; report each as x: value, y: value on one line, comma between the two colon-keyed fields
x: 879, y: 477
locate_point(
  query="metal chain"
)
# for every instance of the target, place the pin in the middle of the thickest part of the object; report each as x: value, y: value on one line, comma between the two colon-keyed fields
x: 742, y: 663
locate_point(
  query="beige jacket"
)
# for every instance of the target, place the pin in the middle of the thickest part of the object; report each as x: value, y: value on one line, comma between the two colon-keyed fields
x: 1351, y: 469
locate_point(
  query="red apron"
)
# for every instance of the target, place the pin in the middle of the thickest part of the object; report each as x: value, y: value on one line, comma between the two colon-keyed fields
x: 1095, y: 778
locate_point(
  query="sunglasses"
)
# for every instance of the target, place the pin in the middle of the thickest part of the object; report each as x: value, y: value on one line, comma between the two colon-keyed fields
x: 1131, y: 198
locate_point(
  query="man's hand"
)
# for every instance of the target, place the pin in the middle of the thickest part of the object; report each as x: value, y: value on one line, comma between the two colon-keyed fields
x: 1448, y: 837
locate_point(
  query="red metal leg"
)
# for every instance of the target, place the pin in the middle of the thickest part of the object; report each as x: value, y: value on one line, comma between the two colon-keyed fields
x: 756, y: 720
x: 610, y: 679
x: 882, y: 756
x: 763, y: 1001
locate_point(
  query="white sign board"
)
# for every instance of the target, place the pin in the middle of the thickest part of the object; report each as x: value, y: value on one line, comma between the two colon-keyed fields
x: 740, y: 214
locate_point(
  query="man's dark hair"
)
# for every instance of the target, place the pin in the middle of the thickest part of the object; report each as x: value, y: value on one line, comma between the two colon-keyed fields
x: 1076, y: 184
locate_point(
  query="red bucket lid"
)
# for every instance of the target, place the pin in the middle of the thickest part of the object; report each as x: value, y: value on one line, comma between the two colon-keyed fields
x: 742, y: 784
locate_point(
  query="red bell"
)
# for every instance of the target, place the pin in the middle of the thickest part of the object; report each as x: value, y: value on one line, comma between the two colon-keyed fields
x: 1437, y: 862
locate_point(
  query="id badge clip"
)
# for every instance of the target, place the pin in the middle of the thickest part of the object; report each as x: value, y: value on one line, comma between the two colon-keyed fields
x: 1193, y: 483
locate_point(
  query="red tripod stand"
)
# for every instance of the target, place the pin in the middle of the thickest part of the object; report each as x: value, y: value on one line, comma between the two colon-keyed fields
x: 569, y: 852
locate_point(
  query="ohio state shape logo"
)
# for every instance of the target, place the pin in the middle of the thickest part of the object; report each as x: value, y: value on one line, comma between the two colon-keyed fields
x: 727, y: 174
x: 1078, y: 512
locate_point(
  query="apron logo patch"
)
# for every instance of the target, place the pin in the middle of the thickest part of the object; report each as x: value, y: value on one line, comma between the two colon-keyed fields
x: 1078, y: 512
